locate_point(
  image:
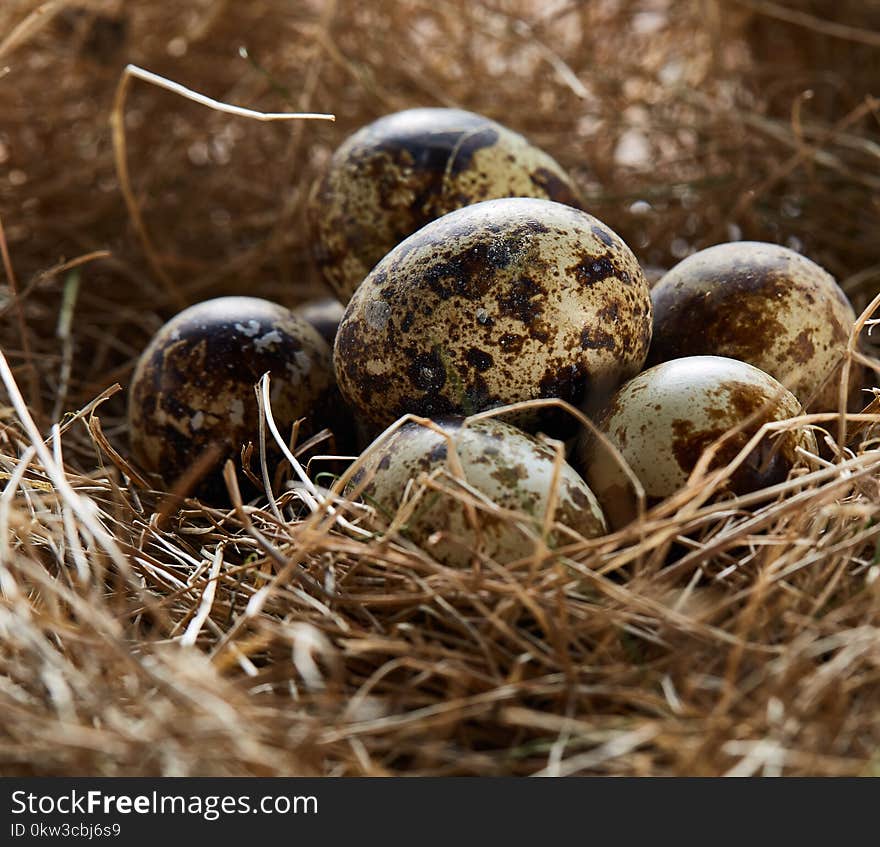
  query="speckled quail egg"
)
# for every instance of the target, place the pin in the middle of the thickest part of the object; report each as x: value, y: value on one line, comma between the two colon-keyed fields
x: 763, y: 304
x: 324, y: 315
x: 664, y: 419
x: 500, y: 463
x: 396, y: 174
x: 193, y: 388
x: 503, y: 301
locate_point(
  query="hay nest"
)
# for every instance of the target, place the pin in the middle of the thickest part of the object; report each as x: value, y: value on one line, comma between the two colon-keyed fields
x: 140, y: 635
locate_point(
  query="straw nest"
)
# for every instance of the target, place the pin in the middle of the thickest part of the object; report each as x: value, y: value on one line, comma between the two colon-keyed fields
x: 141, y: 634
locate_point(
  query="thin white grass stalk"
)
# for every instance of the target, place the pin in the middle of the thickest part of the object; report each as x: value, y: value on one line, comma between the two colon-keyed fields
x: 557, y: 751
x: 624, y: 743
x: 84, y: 572
x: 685, y: 595
x: 249, y: 668
x: 8, y: 585
x: 189, y: 638
x: 218, y: 105
x: 323, y: 608
x: 294, y: 462
x: 193, y: 582
x: 162, y: 575
x: 63, y: 333
x: 120, y: 146
x: 307, y: 641
x: 181, y: 555
x: 263, y: 412
x: 84, y: 509
x: 311, y: 496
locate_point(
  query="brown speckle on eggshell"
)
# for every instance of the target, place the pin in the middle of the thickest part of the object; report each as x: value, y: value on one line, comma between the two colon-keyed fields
x: 193, y: 388
x: 664, y: 419
x: 400, y: 172
x: 763, y: 304
x: 504, y: 301
x: 513, y: 470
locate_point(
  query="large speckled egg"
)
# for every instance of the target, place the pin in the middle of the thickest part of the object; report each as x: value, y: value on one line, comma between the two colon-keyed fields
x: 511, y: 469
x: 193, y: 388
x: 506, y: 300
x: 324, y: 315
x: 396, y: 174
x: 763, y: 304
x: 663, y: 420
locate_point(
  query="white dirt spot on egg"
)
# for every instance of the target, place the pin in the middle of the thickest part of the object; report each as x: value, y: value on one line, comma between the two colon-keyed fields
x: 303, y: 362
x: 197, y: 421
x: 377, y: 313
x: 250, y: 329
x: 268, y: 341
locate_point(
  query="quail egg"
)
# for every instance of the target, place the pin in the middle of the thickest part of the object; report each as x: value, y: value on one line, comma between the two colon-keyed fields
x: 193, y: 387
x: 500, y: 464
x: 503, y: 301
x: 663, y: 420
x: 763, y: 304
x: 393, y: 176
x: 324, y: 315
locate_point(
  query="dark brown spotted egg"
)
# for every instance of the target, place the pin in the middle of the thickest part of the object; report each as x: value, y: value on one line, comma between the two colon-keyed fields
x: 192, y: 392
x: 761, y: 303
x: 324, y: 315
x: 663, y: 420
x: 402, y: 171
x: 503, y: 301
x: 488, y: 462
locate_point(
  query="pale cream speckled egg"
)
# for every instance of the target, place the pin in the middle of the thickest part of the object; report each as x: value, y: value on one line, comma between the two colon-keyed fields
x: 400, y: 172
x: 503, y: 301
x: 761, y: 303
x: 663, y: 420
x: 501, y: 463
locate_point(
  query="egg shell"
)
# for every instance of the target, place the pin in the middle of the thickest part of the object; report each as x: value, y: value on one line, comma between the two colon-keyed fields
x: 664, y: 419
x: 506, y: 300
x: 512, y: 469
x: 324, y: 315
x: 193, y: 386
x: 400, y: 172
x: 761, y: 303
